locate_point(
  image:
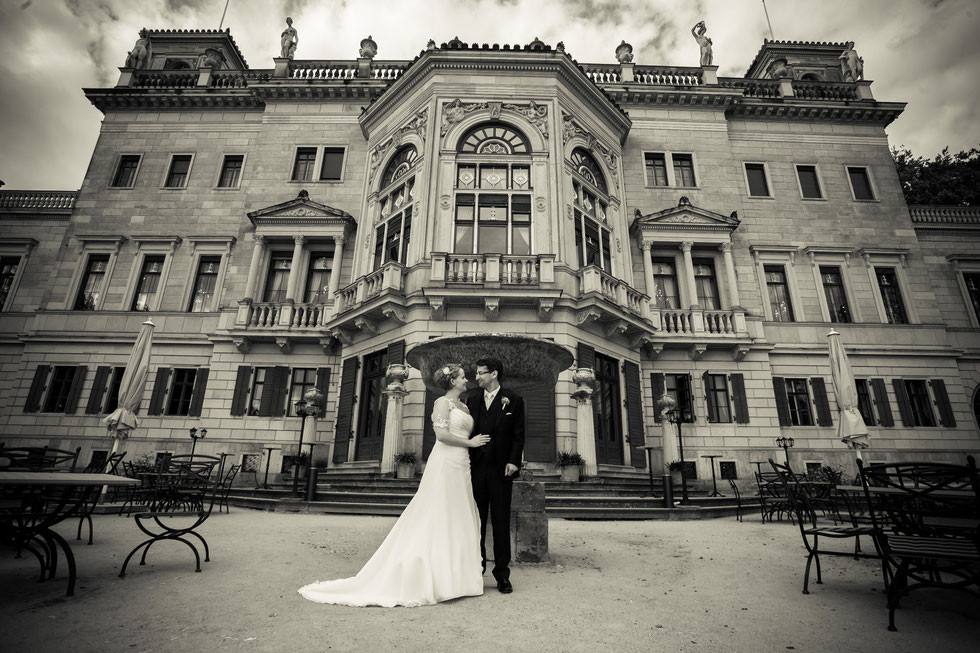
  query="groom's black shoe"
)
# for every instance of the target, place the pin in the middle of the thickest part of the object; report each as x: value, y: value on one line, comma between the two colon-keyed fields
x: 504, y: 586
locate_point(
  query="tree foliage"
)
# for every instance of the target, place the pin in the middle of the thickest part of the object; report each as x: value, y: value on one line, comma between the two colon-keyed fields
x: 948, y: 179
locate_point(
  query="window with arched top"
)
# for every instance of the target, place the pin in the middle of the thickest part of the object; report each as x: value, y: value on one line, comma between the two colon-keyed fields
x: 395, y: 205
x: 493, y: 192
x: 591, y: 202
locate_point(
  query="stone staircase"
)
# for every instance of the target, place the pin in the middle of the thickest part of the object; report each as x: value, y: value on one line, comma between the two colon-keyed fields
x: 621, y: 497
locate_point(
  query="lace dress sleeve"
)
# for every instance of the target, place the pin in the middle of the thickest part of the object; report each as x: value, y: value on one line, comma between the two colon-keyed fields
x: 440, y: 413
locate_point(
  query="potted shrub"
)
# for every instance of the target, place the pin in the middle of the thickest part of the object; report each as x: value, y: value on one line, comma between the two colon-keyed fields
x: 405, y: 464
x: 674, y: 467
x: 297, y: 464
x: 569, y: 465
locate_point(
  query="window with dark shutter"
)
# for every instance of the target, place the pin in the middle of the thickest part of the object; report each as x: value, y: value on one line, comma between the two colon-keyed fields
x: 782, y: 405
x: 345, y: 410
x: 634, y: 414
x: 881, y: 402
x: 396, y: 352
x: 824, y: 417
x: 160, y: 384
x: 274, y: 391
x: 942, y: 403
x: 539, y: 422
x: 197, y: 397
x: 586, y: 356
x: 99, y: 385
x: 659, y: 387
x: 33, y: 403
x: 323, y: 382
x: 75, y: 390
x: 241, y: 390
x: 741, y: 401
x: 904, y: 407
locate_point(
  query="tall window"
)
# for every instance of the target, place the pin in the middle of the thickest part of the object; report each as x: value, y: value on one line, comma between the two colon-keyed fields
x: 148, y: 284
x: 891, y: 296
x: 318, y: 279
x: 684, y: 169
x: 779, y: 300
x: 302, y: 379
x: 8, y: 270
x: 332, y: 168
x: 809, y: 182
x: 864, y: 402
x: 181, y: 391
x: 231, y: 171
x: 93, y: 280
x: 277, y: 281
x: 258, y: 388
x: 798, y: 396
x: 393, y: 235
x: 493, y: 200
x: 180, y: 167
x: 716, y: 394
x: 971, y: 279
x: 61, y: 382
x: 860, y: 183
x: 755, y: 174
x: 656, y: 163
x: 833, y: 290
x: 665, y: 282
x: 112, y: 396
x: 706, y: 284
x: 125, y: 176
x: 202, y: 299
x: 592, y: 237
x: 304, y: 164
x: 919, y: 402
x: 678, y: 386
x: 607, y: 411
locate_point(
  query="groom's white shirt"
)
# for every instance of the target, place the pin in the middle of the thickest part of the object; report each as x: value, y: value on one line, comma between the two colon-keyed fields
x: 489, y: 396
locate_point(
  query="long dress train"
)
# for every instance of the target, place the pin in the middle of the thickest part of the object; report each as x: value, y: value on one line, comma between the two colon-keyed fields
x: 432, y: 553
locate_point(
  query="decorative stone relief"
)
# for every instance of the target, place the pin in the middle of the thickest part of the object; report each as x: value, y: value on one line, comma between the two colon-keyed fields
x: 571, y: 128
x: 624, y: 53
x: 491, y: 308
x: 587, y: 317
x: 285, y: 345
x: 546, y: 308
x: 457, y: 110
x: 445, y: 201
x: 301, y: 212
x: 242, y: 344
x: 687, y: 219
x: 366, y: 325
x: 369, y: 49
x: 569, y: 211
x: 618, y: 327
x: 540, y: 203
x: 416, y: 125
x: 138, y: 57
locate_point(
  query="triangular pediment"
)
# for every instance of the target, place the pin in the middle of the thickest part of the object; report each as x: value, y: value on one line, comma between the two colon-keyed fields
x: 684, y: 215
x: 300, y: 208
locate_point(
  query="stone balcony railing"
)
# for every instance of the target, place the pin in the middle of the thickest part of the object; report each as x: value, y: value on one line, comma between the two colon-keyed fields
x: 673, y: 322
x: 285, y: 315
x: 37, y: 200
x: 945, y: 216
x: 389, y: 278
x: 595, y: 280
x: 493, y: 269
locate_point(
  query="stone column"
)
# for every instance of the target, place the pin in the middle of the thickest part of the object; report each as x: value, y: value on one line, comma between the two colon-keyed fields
x: 692, y: 290
x: 291, y: 289
x: 647, y: 247
x: 726, y: 251
x: 396, y: 393
x: 335, y: 265
x: 258, y: 250
x: 584, y: 377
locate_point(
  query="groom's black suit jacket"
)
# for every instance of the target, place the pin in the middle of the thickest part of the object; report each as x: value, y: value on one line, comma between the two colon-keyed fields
x: 503, y: 423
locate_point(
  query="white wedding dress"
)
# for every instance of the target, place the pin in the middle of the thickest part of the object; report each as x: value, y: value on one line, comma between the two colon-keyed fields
x: 432, y: 553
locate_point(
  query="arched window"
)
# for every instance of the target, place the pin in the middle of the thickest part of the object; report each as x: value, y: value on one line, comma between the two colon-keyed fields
x: 592, y: 237
x: 397, y: 198
x: 493, y: 192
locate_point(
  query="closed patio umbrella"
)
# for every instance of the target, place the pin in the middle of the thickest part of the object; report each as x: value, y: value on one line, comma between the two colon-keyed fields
x: 851, y: 428
x: 123, y: 420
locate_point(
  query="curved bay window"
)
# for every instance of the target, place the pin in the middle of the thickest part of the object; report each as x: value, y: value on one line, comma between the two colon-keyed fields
x: 493, y: 192
x: 397, y: 199
x: 592, y: 238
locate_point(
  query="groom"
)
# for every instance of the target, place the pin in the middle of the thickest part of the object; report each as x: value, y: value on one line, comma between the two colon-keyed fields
x: 499, y: 413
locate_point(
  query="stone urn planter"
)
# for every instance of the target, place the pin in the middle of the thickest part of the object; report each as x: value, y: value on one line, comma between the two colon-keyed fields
x: 571, y: 474
x: 405, y: 465
x: 569, y: 465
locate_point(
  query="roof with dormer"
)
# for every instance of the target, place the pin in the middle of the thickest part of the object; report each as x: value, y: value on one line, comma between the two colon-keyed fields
x: 768, y: 45
x: 183, y: 33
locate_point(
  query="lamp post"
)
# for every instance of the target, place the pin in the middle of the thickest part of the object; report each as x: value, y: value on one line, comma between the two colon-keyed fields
x: 195, y: 436
x: 786, y: 444
x: 680, y: 449
x: 301, y: 411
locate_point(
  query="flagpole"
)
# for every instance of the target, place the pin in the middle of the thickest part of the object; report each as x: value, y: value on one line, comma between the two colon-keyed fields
x: 771, y: 37
x: 221, y: 24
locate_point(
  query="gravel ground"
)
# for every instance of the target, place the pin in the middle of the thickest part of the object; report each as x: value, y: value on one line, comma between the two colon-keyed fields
x: 620, y: 586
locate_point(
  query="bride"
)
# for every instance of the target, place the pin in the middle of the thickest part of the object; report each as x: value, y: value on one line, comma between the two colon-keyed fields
x: 432, y: 553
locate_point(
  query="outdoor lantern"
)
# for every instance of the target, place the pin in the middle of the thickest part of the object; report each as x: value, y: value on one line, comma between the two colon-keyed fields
x: 786, y: 444
x: 195, y: 436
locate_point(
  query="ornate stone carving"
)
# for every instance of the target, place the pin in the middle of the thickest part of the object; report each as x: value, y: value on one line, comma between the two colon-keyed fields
x: 780, y: 69
x: 687, y: 219
x: 457, y: 110
x: 624, y: 53
x: 285, y: 345
x: 560, y: 47
x: 341, y: 336
x: 212, y: 59
x: 584, y: 377
x: 366, y: 325
x: 395, y: 376
x: 242, y: 344
x: 655, y: 350
x: 491, y: 308
x: 431, y: 45
x: 415, y: 125
x: 139, y: 56
x: 546, y: 308
x: 540, y: 203
x: 739, y: 352
x: 697, y: 352
x: 640, y: 340
x: 446, y: 201
x: 369, y: 49
x: 395, y: 314
x: 288, y: 40
x: 301, y: 212
x: 328, y: 345
x: 587, y: 317
x: 571, y: 128
x: 851, y: 65
x: 569, y: 211
x: 438, y: 307
x: 618, y: 327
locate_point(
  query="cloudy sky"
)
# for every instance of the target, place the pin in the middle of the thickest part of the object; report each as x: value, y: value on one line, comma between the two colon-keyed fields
x: 924, y: 52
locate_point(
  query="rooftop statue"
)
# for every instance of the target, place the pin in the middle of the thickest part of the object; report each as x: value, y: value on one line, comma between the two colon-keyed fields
x: 624, y: 53
x: 781, y: 69
x: 369, y: 49
x: 851, y: 65
x: 698, y: 33
x: 137, y: 57
x: 289, y: 40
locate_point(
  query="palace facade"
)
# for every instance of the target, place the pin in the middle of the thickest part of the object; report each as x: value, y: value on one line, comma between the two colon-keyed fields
x: 305, y: 225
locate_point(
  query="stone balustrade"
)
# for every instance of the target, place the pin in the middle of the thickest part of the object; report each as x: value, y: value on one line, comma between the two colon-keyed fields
x: 757, y: 88
x: 595, y: 280
x: 264, y: 315
x: 323, y: 70
x: 286, y: 315
x: 165, y: 78
x: 945, y: 215
x: 310, y: 316
x: 721, y: 322
x: 389, y: 278
x: 663, y: 76
x: 696, y: 322
x: 33, y: 200
x: 824, y: 90
x: 494, y: 269
x: 228, y: 79
x: 677, y: 321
